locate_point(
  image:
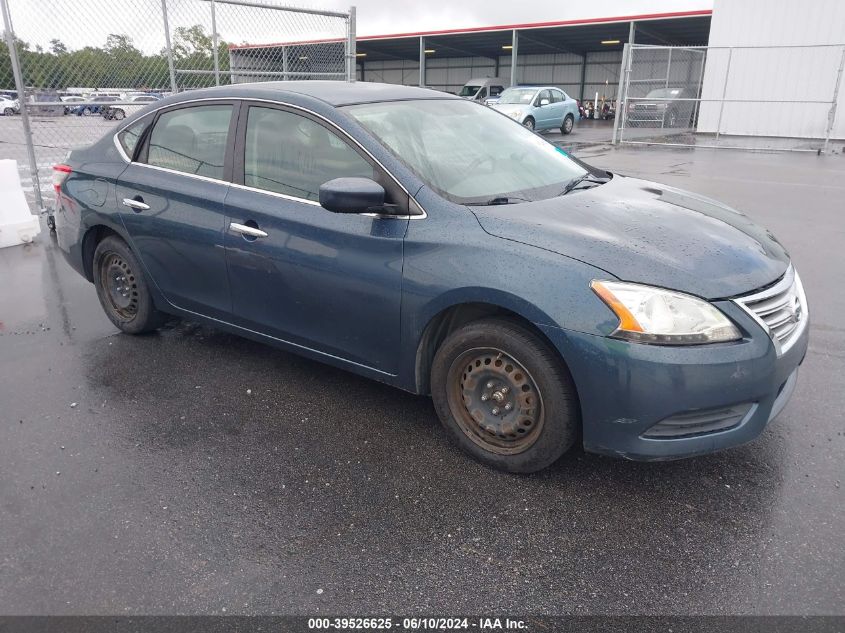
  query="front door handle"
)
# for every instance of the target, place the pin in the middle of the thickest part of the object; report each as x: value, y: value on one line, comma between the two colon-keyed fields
x: 248, y: 231
x: 135, y: 205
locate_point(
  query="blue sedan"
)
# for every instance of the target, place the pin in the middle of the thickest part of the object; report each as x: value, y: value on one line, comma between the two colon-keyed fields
x: 539, y: 108
x: 425, y: 241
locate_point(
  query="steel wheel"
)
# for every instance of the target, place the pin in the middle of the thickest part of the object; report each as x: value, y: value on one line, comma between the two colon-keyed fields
x: 529, y: 123
x: 495, y: 401
x: 118, y: 114
x: 568, y: 122
x: 120, y: 285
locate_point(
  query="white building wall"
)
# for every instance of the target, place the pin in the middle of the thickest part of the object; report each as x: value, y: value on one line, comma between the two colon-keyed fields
x: 811, y: 37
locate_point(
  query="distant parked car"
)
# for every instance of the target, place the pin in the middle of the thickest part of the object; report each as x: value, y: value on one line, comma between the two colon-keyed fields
x: 667, y: 107
x: 94, y: 106
x: 120, y: 112
x: 8, y: 105
x: 539, y: 107
x: 485, y: 89
x: 68, y: 100
x: 44, y: 103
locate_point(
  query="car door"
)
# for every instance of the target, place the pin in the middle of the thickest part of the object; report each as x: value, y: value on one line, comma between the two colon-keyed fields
x: 171, y: 199
x: 329, y: 282
x: 543, y: 113
x: 558, y: 107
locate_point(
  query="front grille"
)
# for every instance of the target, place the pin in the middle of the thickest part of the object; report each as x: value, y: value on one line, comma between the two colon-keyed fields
x: 701, y: 422
x: 781, y: 310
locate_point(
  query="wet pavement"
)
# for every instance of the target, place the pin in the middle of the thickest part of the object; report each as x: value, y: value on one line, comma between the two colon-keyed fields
x: 191, y: 471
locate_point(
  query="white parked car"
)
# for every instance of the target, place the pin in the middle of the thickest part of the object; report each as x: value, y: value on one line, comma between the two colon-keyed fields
x: 9, y: 106
x: 138, y: 101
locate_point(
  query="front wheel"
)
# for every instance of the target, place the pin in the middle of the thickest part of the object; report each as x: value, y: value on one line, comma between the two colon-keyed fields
x: 529, y: 123
x: 8, y: 112
x: 122, y: 289
x: 118, y: 114
x: 504, y: 396
x: 568, y: 122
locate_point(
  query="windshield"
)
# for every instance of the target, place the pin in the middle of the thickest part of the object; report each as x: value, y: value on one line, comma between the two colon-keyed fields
x: 469, y: 91
x: 467, y: 152
x: 518, y: 95
x: 664, y: 93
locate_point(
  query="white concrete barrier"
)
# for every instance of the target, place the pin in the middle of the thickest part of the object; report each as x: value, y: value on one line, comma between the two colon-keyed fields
x: 17, y: 224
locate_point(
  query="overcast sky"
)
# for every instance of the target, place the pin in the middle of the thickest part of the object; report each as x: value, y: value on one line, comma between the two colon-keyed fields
x: 88, y: 22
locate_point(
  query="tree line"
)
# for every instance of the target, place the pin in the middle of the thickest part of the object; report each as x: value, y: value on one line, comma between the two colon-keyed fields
x: 118, y: 63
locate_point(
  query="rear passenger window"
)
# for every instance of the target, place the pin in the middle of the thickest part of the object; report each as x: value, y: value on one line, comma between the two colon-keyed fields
x: 191, y: 140
x: 129, y: 138
x: 291, y: 154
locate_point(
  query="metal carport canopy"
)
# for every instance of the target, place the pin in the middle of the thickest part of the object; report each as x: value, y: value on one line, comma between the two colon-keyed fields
x: 688, y: 28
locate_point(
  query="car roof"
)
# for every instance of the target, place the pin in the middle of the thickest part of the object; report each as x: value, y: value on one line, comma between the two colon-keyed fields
x: 336, y: 93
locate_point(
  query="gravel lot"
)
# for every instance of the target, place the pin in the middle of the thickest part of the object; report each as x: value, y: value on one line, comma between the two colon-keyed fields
x: 195, y: 472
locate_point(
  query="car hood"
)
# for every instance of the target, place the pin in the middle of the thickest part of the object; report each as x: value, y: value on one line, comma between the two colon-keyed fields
x: 648, y: 233
x: 511, y: 108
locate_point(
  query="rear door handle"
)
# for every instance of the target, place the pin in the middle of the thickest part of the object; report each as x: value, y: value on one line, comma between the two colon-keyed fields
x: 249, y: 231
x: 135, y: 205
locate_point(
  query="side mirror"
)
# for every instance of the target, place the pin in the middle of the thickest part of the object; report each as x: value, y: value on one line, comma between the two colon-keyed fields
x: 544, y: 102
x: 351, y: 195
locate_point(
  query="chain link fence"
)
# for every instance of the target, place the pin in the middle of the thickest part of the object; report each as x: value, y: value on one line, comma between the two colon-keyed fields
x: 71, y: 73
x: 767, y: 98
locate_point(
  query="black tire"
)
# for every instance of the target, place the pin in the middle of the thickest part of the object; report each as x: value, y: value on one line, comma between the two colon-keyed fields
x: 529, y: 123
x: 544, y: 418
x: 118, y: 115
x: 122, y: 289
x: 8, y: 112
x: 568, y: 124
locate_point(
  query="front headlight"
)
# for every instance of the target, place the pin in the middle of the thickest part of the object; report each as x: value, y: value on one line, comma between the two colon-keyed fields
x: 516, y: 114
x: 664, y: 317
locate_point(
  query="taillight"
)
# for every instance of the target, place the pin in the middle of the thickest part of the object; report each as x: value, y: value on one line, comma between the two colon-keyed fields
x: 60, y: 173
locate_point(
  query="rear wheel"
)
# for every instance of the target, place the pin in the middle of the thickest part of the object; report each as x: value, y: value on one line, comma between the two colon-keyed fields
x: 122, y: 289
x: 118, y: 115
x: 568, y: 122
x: 529, y: 123
x: 504, y: 396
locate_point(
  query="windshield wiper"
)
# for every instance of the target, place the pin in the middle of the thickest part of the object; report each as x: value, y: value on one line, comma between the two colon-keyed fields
x: 498, y: 200
x: 570, y: 186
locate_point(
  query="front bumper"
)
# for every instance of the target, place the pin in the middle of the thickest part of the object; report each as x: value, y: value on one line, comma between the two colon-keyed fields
x: 626, y: 388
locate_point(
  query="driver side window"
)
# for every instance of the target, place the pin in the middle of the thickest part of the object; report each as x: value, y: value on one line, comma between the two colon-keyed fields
x: 291, y: 154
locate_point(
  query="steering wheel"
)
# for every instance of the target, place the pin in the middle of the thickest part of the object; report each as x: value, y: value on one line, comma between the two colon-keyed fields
x: 471, y: 167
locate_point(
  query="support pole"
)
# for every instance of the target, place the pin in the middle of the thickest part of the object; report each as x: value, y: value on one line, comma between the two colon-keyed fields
x: 583, y: 77
x: 831, y: 116
x: 168, y: 48
x: 215, y: 43
x: 621, y: 97
x: 514, y: 52
x: 20, y: 87
x: 632, y: 33
x: 724, y: 93
x: 351, y: 63
x: 422, y: 62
